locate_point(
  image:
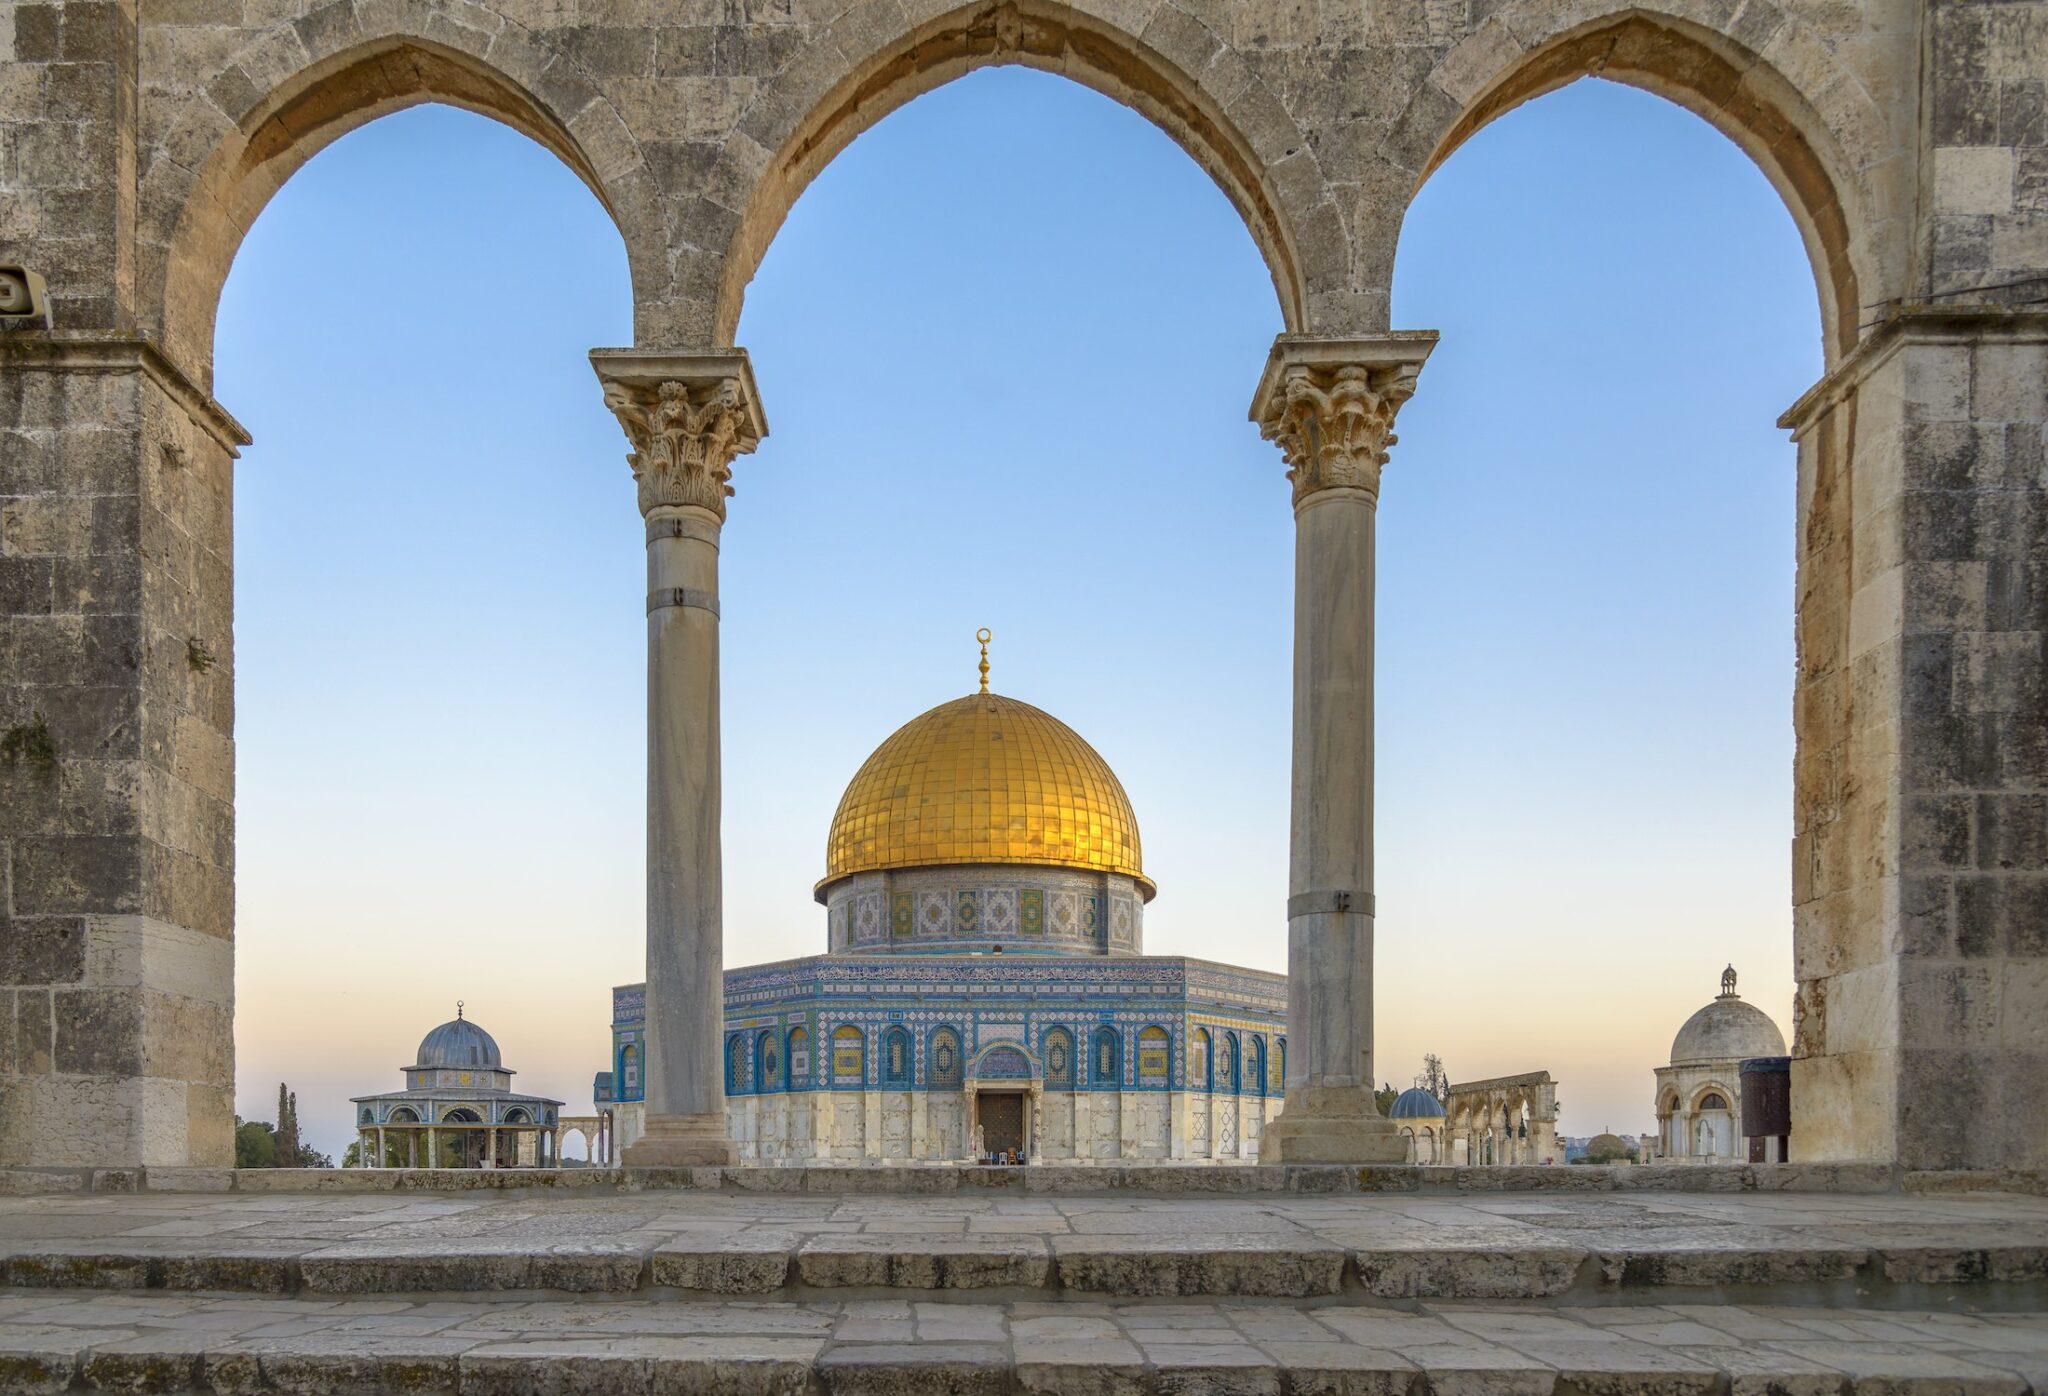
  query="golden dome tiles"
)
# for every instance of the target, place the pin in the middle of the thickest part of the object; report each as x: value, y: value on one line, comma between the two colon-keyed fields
x: 984, y: 779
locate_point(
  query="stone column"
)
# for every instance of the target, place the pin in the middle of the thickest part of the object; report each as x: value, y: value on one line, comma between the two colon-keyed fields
x: 1329, y: 405
x: 687, y: 417
x: 380, y: 1146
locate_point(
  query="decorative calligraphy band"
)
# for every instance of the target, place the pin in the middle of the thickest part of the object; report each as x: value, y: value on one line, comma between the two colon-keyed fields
x: 682, y: 596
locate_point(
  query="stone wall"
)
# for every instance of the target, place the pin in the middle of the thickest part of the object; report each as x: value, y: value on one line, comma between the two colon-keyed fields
x: 137, y: 144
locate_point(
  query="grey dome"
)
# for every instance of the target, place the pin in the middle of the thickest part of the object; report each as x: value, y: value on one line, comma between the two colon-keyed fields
x: 1727, y: 1030
x: 459, y: 1043
x: 1415, y: 1103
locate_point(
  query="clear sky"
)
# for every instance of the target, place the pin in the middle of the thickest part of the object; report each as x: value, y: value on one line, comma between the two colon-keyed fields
x: 1006, y: 343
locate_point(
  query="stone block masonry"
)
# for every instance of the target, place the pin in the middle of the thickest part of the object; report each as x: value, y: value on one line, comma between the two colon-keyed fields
x: 138, y: 142
x: 117, y: 823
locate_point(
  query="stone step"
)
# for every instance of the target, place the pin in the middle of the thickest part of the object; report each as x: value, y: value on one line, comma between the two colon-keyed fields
x: 1162, y: 1178
x: 1987, y: 1251
x: 171, y: 1345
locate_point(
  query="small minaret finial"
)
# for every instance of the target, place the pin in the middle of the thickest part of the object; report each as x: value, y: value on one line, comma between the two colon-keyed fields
x: 984, y: 635
x: 458, y: 1010
x: 1728, y: 982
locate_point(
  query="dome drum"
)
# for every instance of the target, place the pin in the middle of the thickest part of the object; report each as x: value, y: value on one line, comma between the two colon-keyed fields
x: 1006, y: 908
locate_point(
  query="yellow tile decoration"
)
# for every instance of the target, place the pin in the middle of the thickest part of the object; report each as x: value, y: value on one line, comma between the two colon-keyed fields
x: 984, y: 779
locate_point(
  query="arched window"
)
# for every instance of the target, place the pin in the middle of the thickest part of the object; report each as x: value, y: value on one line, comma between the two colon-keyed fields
x: 1106, y: 1058
x: 1226, y: 1064
x: 767, y: 1061
x: 943, y: 1071
x: 1255, y: 1068
x: 1279, y: 1081
x: 405, y: 1115
x: 1712, y: 1101
x: 1059, y: 1060
x: 1198, y: 1060
x: 1155, y: 1058
x: 799, y: 1059
x: 849, y: 1056
x: 896, y: 1069
x: 368, y: 1115
x: 629, y: 1072
x: 735, y: 1065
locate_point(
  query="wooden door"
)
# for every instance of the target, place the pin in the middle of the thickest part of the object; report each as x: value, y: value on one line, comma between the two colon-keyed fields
x: 1002, y: 1122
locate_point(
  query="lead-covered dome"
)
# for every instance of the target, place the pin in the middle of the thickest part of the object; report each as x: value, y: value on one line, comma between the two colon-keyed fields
x: 1727, y: 1030
x: 984, y: 779
x: 458, y: 1043
x: 1415, y: 1103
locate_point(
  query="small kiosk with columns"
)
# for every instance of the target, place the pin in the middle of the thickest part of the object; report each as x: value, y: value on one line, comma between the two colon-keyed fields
x: 458, y: 1110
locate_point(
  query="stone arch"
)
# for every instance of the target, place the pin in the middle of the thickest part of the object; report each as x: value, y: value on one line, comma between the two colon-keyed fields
x: 335, y: 78
x: 979, y: 1069
x: 1810, y: 138
x: 1180, y: 75
x: 1710, y: 1089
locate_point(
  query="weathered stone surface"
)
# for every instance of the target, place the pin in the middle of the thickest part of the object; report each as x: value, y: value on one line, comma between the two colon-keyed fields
x: 513, y: 1346
x: 1910, y: 141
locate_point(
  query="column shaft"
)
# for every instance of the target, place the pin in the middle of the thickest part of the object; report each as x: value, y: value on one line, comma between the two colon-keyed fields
x: 1330, y: 405
x: 687, y: 417
x: 1329, y: 923
x: 685, y: 929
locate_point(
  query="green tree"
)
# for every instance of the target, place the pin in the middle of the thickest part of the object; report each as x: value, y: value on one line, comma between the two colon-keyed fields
x: 1385, y: 1097
x: 255, y: 1145
x: 287, y: 1128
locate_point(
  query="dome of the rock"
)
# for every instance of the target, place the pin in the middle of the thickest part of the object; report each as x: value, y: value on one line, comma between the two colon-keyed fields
x: 984, y: 779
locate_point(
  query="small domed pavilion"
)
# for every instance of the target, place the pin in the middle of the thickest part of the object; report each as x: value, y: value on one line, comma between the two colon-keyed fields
x: 1419, y: 1116
x: 1699, y: 1095
x: 458, y: 1109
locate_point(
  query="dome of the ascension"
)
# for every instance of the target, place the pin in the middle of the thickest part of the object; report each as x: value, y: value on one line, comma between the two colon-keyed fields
x: 984, y: 779
x: 458, y: 1043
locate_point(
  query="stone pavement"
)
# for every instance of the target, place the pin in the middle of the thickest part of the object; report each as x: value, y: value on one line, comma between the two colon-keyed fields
x: 244, y: 1346
x: 1985, y: 1250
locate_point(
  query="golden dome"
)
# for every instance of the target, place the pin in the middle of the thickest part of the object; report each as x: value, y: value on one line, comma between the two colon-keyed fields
x: 984, y: 779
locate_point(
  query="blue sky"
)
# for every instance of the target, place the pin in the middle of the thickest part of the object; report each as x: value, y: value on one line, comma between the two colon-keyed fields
x: 1006, y: 343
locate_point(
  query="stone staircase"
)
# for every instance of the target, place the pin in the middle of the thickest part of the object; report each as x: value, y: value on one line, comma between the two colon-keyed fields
x: 493, y: 1291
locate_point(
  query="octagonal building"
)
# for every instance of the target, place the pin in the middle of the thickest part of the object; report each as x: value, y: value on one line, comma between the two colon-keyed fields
x: 985, y: 988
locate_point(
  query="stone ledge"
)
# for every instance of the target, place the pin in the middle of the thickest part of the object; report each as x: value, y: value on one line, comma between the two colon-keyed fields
x: 1979, y: 1250
x: 209, y: 1346
x: 1048, y: 1179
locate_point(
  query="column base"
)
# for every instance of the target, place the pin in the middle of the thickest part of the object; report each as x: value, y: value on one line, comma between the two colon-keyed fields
x: 682, y: 1141
x: 1331, y: 1124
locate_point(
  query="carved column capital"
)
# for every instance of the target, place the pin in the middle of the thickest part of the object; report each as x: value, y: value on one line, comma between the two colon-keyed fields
x: 688, y: 416
x: 1329, y: 405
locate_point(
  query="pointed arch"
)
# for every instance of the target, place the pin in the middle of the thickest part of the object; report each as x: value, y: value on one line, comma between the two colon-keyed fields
x: 1179, y: 75
x: 335, y: 79
x: 1810, y: 138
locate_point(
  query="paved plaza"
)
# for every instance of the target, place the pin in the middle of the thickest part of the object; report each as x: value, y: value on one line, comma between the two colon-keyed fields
x: 1812, y: 1247
x: 136, y: 1343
